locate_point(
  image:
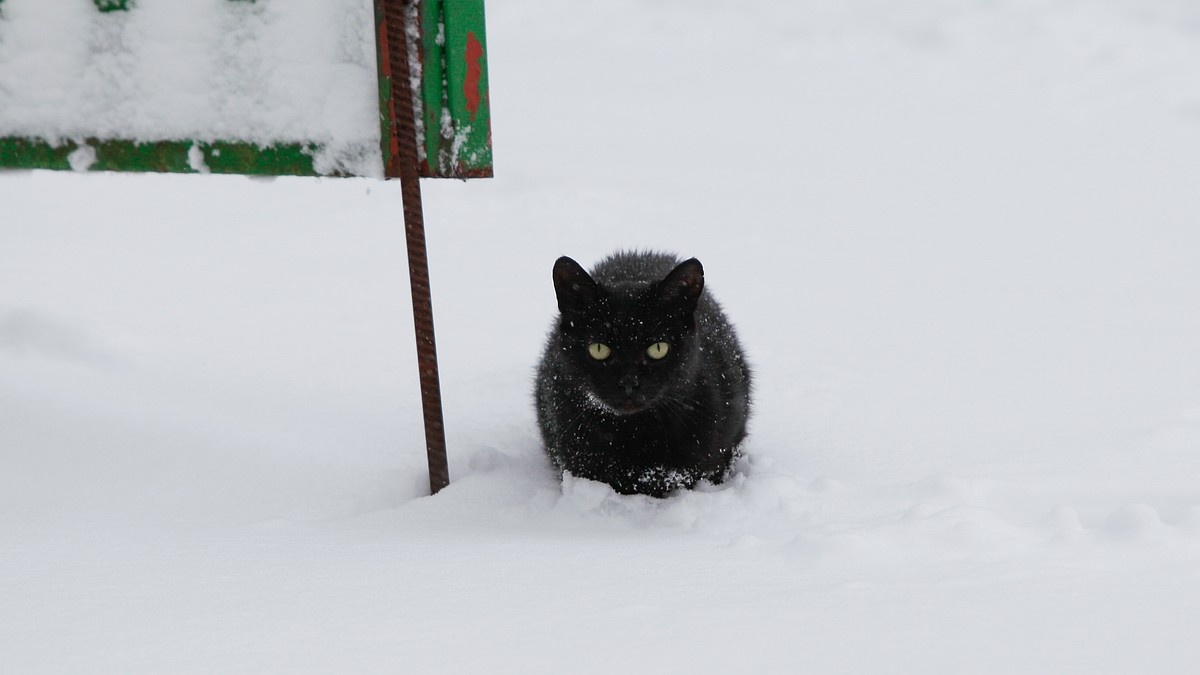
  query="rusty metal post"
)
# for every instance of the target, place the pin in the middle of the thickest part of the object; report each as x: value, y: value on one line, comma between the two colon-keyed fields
x: 404, y: 163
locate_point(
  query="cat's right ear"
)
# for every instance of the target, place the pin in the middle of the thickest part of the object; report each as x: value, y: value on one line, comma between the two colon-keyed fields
x: 683, y: 285
x: 575, y: 288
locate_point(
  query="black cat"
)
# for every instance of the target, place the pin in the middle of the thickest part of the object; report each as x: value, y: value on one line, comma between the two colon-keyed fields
x: 643, y: 384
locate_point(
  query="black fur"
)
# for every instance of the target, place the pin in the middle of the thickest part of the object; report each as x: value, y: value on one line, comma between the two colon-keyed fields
x: 639, y: 424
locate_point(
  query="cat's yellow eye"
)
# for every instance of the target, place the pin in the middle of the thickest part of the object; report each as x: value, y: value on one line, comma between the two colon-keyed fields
x: 598, y: 351
x: 658, y: 350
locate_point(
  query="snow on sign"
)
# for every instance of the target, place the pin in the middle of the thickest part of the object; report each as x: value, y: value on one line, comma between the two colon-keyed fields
x: 295, y: 87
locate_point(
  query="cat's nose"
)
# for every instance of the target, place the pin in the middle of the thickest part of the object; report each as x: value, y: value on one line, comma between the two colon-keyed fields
x: 629, y: 382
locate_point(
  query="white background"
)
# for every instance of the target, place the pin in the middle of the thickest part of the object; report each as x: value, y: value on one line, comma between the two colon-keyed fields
x: 959, y: 241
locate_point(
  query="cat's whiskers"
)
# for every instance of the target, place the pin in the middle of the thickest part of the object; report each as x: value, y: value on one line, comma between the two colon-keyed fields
x: 597, y: 402
x: 681, y: 408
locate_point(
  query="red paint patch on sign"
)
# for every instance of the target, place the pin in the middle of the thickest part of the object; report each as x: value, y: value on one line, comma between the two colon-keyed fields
x: 474, y: 72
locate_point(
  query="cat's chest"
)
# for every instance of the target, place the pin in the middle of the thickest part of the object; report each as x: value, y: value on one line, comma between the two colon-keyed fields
x: 656, y: 429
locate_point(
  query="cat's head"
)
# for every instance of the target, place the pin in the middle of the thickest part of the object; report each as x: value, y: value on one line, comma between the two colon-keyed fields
x: 629, y: 345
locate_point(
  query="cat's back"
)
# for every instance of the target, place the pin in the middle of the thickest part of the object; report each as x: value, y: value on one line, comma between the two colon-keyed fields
x: 628, y: 273
x: 633, y: 270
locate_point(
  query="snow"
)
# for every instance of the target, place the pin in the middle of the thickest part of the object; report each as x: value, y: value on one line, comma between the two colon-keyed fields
x: 958, y: 242
x: 266, y: 72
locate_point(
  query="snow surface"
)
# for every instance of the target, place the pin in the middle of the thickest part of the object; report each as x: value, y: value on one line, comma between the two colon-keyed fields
x: 959, y: 242
x: 265, y: 72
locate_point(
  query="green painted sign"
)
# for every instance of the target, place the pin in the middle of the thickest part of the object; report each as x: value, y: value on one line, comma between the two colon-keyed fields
x: 454, y: 120
x: 457, y: 115
x: 113, y: 5
x: 453, y: 114
x: 162, y: 157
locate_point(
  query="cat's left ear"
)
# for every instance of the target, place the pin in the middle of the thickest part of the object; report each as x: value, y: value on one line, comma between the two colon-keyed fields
x: 683, y: 285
